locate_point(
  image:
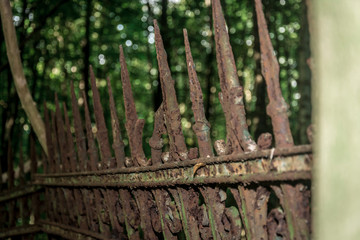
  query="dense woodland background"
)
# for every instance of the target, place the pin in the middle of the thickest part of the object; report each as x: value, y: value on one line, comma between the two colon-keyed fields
x: 59, y: 39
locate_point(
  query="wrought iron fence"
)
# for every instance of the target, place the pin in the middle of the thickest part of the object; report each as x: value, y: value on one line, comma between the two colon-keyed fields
x: 243, y: 190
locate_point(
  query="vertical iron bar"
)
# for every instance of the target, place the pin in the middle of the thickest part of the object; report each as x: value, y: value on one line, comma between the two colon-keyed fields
x: 33, y: 169
x: 79, y: 132
x: 70, y: 142
x: 156, y: 142
x: 50, y: 146
x: 57, y: 168
x: 178, y: 150
x: 76, y: 193
x: 102, y: 133
x: 232, y: 93
x: 118, y: 144
x: 201, y: 126
x: 57, y: 159
x: 92, y: 149
x: 61, y: 137
x: 81, y: 194
x: 291, y: 196
x: 134, y: 125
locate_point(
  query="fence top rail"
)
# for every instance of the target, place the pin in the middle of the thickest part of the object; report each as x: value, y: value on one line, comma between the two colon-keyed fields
x: 267, y: 153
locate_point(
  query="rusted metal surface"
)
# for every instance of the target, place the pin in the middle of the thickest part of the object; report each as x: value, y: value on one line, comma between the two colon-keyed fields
x: 156, y: 141
x: 134, y: 125
x: 261, y: 169
x: 178, y: 150
x: 69, y: 232
x: 201, y: 126
x: 92, y: 149
x: 20, y: 231
x: 70, y: 143
x: 60, y: 131
x: 102, y: 133
x: 19, y: 192
x: 253, y: 204
x: 49, y: 142
x: 231, y: 97
x: 118, y: 144
x: 79, y: 132
x: 277, y: 108
x: 298, y: 217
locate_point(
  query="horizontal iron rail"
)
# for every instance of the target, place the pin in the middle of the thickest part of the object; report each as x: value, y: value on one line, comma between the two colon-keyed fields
x: 267, y: 165
x: 68, y: 232
x: 17, y: 231
x: 19, y: 192
x: 275, y: 152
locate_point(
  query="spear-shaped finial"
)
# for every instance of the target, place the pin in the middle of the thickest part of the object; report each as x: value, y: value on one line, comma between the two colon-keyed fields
x: 134, y: 125
x: 49, y: 142
x: 92, y: 149
x: 61, y: 136
x: 202, y: 126
x: 277, y: 107
x: 57, y: 159
x: 79, y: 132
x: 232, y: 93
x: 70, y: 142
x: 102, y: 133
x: 118, y: 144
x: 178, y: 148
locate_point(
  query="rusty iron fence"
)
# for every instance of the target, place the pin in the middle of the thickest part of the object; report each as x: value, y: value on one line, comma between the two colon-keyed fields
x: 242, y: 190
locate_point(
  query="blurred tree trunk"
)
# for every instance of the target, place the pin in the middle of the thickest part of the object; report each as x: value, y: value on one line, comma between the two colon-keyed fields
x: 304, y: 82
x: 20, y: 82
x: 86, y: 49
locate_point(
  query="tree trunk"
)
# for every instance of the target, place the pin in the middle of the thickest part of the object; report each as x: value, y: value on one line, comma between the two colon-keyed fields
x: 86, y: 49
x: 21, y: 85
x: 304, y: 82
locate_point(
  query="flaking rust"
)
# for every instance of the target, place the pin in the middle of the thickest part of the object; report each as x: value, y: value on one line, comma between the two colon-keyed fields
x: 134, y: 125
x: 178, y: 150
x: 156, y: 141
x: 202, y: 131
x: 118, y: 144
x: 102, y: 132
x: 253, y: 204
x: 238, y: 136
x: 201, y: 126
x: 49, y: 142
x: 61, y: 136
x: 57, y: 161
x: 79, y: 132
x: 291, y: 196
x: 277, y: 107
x: 231, y: 97
x: 76, y: 193
x: 70, y: 142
